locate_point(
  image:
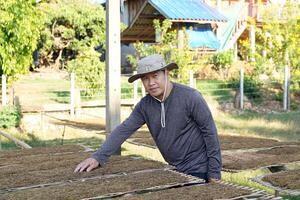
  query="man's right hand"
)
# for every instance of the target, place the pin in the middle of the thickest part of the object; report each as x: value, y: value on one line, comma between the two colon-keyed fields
x: 87, y: 165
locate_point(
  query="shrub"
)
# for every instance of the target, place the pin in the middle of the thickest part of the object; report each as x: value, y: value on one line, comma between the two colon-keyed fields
x: 252, y: 86
x: 90, y: 72
x: 10, y: 116
x: 222, y: 62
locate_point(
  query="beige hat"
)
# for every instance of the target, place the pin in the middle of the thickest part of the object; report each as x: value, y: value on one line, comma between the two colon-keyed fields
x: 149, y: 64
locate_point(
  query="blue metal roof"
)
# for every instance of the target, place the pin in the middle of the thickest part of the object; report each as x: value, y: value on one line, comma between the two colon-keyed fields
x: 202, y: 37
x: 187, y: 10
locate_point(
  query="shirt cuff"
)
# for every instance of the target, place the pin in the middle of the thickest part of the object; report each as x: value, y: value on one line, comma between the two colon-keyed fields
x: 101, y: 162
x: 215, y: 175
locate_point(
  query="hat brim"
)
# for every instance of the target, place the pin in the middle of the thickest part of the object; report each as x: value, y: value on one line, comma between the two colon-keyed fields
x: 169, y: 67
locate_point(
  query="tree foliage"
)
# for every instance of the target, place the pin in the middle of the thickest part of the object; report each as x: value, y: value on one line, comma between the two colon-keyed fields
x: 74, y: 29
x: 279, y: 37
x: 71, y: 26
x: 222, y: 61
x: 20, y: 23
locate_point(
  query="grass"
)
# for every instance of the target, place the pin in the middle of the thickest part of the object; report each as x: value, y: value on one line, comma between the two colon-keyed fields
x: 243, y: 178
x: 280, y: 126
x: 218, y: 90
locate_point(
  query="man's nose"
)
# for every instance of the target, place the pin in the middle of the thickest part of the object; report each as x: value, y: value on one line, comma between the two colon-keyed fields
x: 151, y: 81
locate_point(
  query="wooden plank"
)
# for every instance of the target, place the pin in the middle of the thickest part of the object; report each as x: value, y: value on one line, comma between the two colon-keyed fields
x: 15, y: 140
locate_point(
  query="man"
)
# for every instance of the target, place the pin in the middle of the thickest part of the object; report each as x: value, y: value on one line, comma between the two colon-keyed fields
x: 178, y: 119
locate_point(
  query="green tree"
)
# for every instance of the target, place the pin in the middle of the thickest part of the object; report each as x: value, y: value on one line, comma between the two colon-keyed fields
x: 71, y: 26
x: 222, y: 61
x: 19, y: 31
x: 73, y: 30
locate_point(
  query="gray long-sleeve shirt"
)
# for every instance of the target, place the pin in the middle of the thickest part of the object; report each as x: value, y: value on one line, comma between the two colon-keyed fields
x: 189, y: 139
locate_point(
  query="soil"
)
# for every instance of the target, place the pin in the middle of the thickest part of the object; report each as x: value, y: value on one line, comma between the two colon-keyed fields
x: 285, y: 179
x: 40, y: 151
x: 100, y: 187
x: 203, y: 192
x: 262, y: 158
x: 228, y: 142
x: 41, y: 169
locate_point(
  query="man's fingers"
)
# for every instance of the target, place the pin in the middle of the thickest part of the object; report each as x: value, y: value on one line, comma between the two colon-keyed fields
x: 90, y: 168
x: 77, y: 168
x: 87, y: 165
x: 84, y: 166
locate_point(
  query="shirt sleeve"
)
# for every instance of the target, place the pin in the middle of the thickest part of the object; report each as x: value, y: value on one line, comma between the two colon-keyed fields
x: 119, y: 135
x: 202, y: 115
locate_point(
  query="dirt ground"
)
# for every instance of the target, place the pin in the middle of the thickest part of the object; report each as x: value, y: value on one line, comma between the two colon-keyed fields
x: 285, y: 179
x: 100, y: 187
x: 45, y: 168
x: 227, y: 142
x: 44, y: 175
x: 40, y: 151
x: 261, y: 158
x: 203, y: 192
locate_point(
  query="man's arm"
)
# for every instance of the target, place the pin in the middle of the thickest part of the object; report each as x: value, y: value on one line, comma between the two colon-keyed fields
x: 204, y: 119
x: 114, y: 141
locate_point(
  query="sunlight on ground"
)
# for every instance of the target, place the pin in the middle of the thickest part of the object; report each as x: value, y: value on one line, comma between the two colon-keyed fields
x: 243, y: 178
x: 258, y: 127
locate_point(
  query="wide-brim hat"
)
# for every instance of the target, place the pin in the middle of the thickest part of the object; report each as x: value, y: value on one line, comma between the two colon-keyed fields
x: 150, y: 64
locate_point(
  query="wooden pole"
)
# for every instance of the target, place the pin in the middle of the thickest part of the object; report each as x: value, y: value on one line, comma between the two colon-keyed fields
x: 113, y: 65
x: 242, y: 89
x: 15, y: 140
x: 191, y: 76
x: 4, y: 97
x: 286, y: 100
x: 72, y: 95
x: 135, y: 90
x: 252, y: 42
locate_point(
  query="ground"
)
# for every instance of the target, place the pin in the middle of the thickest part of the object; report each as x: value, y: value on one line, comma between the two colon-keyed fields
x: 47, y: 173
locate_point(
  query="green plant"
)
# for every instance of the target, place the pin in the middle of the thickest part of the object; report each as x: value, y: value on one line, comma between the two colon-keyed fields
x: 222, y: 62
x: 252, y: 86
x: 20, y: 24
x: 89, y: 70
x: 10, y: 117
x: 70, y: 27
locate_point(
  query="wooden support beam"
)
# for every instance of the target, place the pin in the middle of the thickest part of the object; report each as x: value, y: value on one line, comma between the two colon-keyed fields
x: 113, y: 66
x: 15, y: 140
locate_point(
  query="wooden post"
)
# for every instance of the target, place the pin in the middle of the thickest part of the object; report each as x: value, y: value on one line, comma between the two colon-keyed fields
x: 42, y: 121
x: 135, y: 90
x: 286, y: 94
x: 113, y: 65
x: 235, y: 51
x: 77, y: 102
x: 218, y: 5
x: 15, y: 140
x: 242, y: 89
x: 4, y: 95
x: 72, y: 95
x: 252, y: 42
x: 191, y: 80
x: 180, y: 39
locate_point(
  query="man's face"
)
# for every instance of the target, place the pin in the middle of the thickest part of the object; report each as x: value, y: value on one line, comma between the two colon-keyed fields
x: 154, y: 83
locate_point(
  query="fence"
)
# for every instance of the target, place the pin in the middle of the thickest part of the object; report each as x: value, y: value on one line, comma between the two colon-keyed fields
x: 64, y: 95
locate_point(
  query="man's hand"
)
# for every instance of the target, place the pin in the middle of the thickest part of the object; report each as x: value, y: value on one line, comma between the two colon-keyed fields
x: 87, y: 165
x: 213, y: 180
